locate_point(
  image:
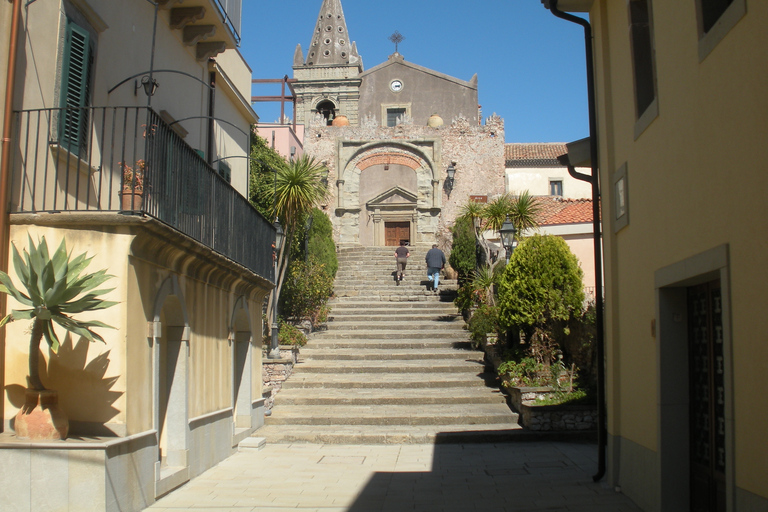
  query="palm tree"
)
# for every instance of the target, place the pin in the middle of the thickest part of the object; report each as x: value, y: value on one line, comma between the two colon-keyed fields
x: 299, y: 186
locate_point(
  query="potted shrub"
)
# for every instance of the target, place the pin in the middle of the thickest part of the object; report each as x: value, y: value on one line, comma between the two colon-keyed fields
x: 132, y: 193
x: 54, y: 289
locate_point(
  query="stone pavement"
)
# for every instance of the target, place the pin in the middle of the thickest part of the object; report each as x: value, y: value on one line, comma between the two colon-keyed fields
x: 507, y: 477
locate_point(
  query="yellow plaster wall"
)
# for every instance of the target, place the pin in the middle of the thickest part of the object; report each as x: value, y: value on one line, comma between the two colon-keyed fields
x: 696, y: 180
x: 89, y: 376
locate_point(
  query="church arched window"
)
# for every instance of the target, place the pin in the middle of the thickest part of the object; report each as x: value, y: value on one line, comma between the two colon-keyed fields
x: 328, y: 111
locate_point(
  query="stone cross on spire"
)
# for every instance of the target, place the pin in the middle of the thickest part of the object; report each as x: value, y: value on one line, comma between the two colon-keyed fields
x: 397, y: 38
x: 330, y: 44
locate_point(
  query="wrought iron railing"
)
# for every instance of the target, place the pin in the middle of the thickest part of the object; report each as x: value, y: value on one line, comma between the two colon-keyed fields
x: 232, y: 12
x: 128, y: 160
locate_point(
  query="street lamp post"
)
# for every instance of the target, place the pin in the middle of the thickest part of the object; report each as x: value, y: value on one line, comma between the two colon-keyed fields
x: 507, y: 232
x: 274, y: 345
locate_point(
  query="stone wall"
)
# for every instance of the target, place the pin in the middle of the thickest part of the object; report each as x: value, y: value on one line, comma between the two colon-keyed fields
x: 477, y: 150
x: 275, y: 372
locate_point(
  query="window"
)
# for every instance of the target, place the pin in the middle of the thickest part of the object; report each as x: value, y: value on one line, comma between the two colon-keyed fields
x: 556, y: 187
x: 716, y: 18
x: 642, y: 55
x: 711, y: 10
x: 76, y: 72
x: 393, y: 114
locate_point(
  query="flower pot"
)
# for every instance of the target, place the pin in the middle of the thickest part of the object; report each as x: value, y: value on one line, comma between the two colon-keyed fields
x: 40, y: 419
x: 131, y: 201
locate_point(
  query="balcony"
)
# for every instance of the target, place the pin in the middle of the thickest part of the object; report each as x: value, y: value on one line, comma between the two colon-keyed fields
x: 212, y: 26
x: 127, y: 160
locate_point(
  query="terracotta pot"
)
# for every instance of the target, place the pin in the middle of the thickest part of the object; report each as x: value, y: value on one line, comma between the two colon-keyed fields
x: 435, y: 121
x: 340, y: 120
x: 40, y: 419
x: 129, y: 201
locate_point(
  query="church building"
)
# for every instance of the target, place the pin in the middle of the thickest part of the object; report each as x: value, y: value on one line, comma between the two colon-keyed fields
x: 405, y: 145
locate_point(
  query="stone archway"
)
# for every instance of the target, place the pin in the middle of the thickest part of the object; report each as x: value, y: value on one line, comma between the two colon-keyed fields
x: 383, y: 184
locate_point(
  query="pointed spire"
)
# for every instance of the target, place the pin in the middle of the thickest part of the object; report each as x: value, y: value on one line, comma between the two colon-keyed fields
x: 298, y: 56
x: 330, y: 45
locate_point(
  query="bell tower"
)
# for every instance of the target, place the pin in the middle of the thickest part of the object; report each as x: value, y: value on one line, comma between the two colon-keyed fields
x: 328, y: 82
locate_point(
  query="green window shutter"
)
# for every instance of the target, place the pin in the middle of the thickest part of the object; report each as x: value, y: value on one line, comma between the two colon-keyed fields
x: 75, y: 88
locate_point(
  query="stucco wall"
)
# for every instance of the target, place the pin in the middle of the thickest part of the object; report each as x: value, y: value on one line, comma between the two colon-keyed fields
x: 694, y: 184
x: 424, y: 92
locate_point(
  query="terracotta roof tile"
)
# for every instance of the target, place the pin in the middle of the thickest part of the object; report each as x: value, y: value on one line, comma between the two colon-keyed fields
x: 556, y: 210
x: 533, y: 154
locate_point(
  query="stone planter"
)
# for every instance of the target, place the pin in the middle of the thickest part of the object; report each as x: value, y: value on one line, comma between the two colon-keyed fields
x: 40, y: 419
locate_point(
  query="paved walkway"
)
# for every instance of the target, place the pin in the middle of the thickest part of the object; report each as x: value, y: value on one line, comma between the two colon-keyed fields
x: 505, y: 477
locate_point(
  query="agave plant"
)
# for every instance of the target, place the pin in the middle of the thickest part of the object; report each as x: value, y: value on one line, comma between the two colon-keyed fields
x: 56, y: 288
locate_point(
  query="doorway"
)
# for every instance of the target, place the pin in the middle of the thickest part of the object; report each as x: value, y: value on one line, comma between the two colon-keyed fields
x: 396, y: 232
x: 706, y: 371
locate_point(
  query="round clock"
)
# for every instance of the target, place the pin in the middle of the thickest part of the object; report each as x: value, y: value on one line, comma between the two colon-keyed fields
x: 396, y: 85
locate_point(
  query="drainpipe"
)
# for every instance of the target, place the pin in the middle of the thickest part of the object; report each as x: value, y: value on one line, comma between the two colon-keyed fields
x: 594, y: 180
x: 5, y: 164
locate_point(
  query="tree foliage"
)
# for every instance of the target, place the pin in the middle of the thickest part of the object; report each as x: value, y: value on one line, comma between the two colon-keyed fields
x: 463, y: 256
x: 541, y: 284
x: 264, y: 162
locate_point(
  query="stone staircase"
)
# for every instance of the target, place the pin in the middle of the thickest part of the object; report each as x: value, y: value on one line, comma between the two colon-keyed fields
x: 394, y: 366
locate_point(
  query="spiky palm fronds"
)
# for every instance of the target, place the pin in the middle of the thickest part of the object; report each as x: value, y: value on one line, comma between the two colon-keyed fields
x: 56, y: 288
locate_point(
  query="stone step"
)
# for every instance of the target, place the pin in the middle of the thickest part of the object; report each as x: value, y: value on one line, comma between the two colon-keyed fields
x: 413, y: 434
x: 442, y: 296
x: 308, y: 380
x: 376, y: 306
x: 396, y: 314
x: 358, y: 354
x: 367, y: 397
x: 391, y: 415
x: 438, y: 327
x: 395, y: 367
x: 393, y: 344
x: 342, y: 334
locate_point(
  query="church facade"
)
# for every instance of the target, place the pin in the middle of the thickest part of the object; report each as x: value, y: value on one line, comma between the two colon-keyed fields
x: 389, y: 136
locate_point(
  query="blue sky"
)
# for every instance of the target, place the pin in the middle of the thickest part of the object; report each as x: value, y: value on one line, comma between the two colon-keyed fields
x: 530, y: 65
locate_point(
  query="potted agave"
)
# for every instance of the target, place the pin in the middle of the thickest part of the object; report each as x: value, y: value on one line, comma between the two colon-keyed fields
x: 54, y: 289
x: 132, y: 193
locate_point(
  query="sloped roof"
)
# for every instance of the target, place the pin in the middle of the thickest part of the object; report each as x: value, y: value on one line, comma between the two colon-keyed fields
x: 536, y: 154
x: 556, y: 210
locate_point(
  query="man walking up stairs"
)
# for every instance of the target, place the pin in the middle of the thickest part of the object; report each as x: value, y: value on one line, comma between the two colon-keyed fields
x: 394, y: 366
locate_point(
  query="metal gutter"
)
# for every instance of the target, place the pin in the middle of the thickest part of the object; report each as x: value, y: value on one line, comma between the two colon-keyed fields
x: 594, y: 179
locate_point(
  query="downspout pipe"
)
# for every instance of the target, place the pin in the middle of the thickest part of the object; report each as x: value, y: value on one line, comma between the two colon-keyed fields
x: 595, y: 181
x: 5, y: 166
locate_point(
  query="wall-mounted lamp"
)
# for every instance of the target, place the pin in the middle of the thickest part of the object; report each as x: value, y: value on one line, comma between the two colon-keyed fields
x: 324, y: 177
x: 150, y: 86
x: 507, y: 233
x: 293, y: 152
x: 450, y: 172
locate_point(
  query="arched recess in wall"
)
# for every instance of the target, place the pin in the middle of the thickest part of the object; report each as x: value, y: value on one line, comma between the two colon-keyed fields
x: 366, y: 151
x: 170, y: 345
x: 327, y: 109
x: 388, y: 192
x: 241, y: 338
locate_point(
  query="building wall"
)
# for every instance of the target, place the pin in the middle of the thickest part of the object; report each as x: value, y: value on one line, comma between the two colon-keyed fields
x: 536, y: 181
x: 424, y: 92
x: 694, y: 191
